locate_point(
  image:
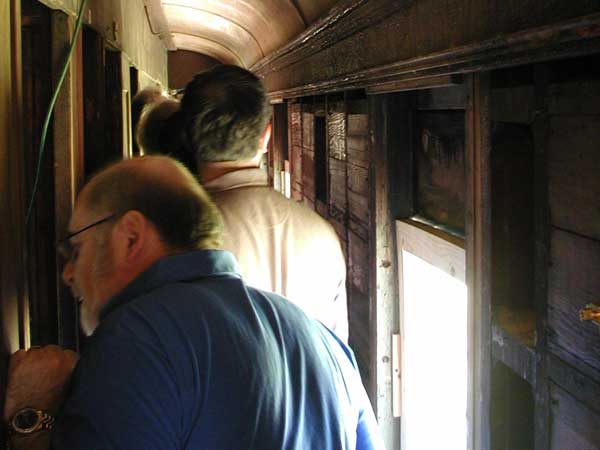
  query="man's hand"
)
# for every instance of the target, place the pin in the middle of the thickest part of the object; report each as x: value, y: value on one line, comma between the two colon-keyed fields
x: 38, y: 378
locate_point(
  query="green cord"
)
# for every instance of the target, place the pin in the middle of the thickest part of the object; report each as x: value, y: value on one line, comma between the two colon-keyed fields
x: 51, y: 109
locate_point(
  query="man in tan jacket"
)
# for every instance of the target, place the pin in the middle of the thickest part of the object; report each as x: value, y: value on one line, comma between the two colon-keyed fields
x: 282, y: 246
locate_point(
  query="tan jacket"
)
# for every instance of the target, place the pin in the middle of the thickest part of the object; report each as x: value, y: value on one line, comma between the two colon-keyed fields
x: 282, y: 246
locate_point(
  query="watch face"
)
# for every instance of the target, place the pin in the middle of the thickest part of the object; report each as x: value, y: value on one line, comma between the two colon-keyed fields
x: 26, y: 419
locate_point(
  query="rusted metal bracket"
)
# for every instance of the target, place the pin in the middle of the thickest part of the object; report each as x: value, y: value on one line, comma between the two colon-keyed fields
x: 590, y: 312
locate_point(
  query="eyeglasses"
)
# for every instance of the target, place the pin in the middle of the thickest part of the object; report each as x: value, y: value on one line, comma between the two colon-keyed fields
x: 64, y: 247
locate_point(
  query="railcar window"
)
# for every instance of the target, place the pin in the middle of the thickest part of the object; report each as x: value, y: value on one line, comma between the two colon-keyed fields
x: 434, y: 341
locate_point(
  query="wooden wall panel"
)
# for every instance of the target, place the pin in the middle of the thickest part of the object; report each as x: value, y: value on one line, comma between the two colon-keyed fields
x: 348, y: 207
x: 574, y: 173
x: 358, y: 179
x: 41, y: 258
x: 124, y: 25
x: 337, y: 165
x: 358, y: 158
x: 308, y: 158
x: 359, y: 308
x: 11, y: 213
x: 513, y: 105
x: 440, y: 162
x: 512, y: 220
x: 68, y: 159
x: 308, y: 130
x: 573, y: 283
x: 295, y: 140
x: 357, y: 141
x: 337, y: 188
x: 574, y: 426
x: 576, y: 97
x: 358, y: 270
x: 336, y: 134
x: 12, y: 280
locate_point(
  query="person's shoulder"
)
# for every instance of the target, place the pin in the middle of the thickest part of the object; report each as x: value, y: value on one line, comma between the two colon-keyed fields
x: 149, y: 310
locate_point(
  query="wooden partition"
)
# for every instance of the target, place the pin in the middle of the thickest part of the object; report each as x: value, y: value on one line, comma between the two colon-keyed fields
x: 572, y: 148
x: 12, y: 282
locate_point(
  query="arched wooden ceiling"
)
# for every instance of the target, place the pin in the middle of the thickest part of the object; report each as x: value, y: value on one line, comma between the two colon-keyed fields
x: 237, y: 31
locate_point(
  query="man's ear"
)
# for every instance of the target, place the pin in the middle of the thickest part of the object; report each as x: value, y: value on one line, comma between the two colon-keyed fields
x: 265, y: 138
x: 133, y: 230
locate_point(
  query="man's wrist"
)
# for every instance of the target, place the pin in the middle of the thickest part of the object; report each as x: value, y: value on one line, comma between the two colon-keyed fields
x: 39, y: 440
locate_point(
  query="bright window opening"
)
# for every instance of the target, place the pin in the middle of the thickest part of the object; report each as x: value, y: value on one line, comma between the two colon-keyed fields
x: 434, y: 344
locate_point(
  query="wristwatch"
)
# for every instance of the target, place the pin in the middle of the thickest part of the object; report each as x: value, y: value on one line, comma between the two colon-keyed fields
x: 29, y: 420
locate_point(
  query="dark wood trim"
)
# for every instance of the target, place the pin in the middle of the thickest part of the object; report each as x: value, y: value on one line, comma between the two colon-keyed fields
x: 384, y: 307
x: 17, y: 180
x: 37, y: 91
x: 541, y: 257
x: 574, y: 37
x: 478, y: 247
x: 318, y: 34
x: 68, y: 159
x: 413, y: 85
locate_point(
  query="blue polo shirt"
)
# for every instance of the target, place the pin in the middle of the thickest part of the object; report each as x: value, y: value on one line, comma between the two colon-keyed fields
x: 189, y: 357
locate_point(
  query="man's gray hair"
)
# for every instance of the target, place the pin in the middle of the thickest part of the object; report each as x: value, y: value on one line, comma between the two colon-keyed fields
x: 166, y: 193
x: 224, y: 112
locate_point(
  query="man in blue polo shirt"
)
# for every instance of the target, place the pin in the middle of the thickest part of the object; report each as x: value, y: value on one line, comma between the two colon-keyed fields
x: 182, y: 354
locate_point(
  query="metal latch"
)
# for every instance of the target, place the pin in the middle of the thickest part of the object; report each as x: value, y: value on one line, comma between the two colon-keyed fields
x: 590, y: 312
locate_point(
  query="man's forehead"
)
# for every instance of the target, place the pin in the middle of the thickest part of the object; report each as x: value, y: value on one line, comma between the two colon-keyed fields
x: 81, y: 213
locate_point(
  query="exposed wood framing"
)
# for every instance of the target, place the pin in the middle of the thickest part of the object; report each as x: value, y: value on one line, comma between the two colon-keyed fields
x: 37, y: 90
x: 384, y: 307
x: 13, y: 281
x: 12, y: 278
x: 541, y: 258
x: 478, y: 246
x: 68, y: 156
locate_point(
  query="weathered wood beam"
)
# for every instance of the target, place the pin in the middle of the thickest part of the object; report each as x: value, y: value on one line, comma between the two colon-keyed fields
x: 541, y: 258
x: 412, y: 85
x: 367, y: 44
x: 384, y: 307
x: 478, y: 247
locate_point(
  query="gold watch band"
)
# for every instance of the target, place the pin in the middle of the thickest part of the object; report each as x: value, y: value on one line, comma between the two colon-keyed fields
x: 45, y: 421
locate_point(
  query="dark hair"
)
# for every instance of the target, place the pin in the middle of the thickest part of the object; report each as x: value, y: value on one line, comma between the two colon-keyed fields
x: 152, y: 133
x: 224, y: 112
x: 166, y: 193
x: 147, y: 96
